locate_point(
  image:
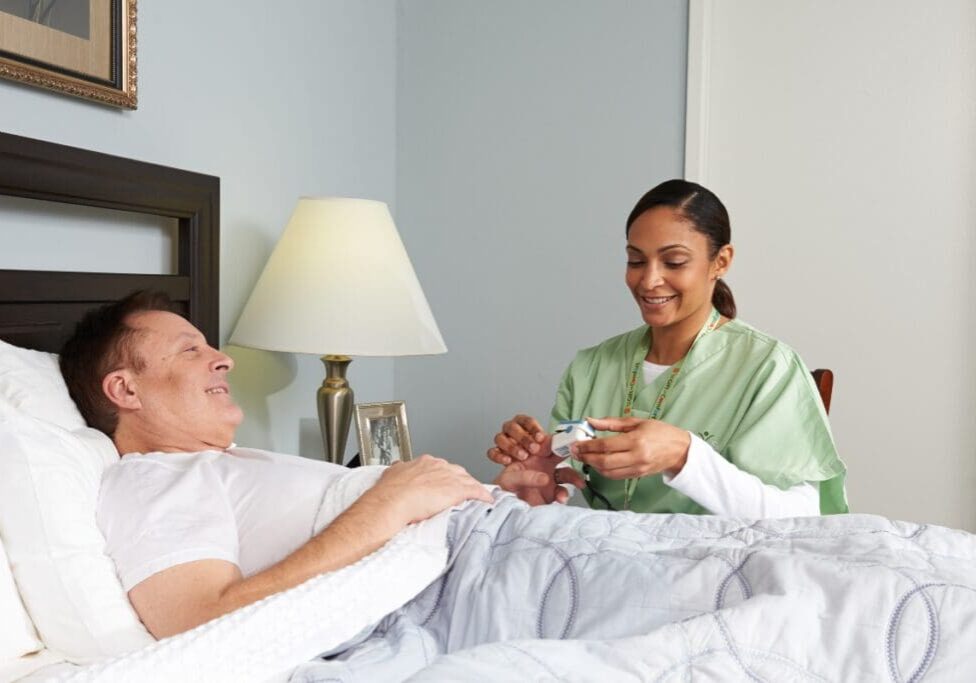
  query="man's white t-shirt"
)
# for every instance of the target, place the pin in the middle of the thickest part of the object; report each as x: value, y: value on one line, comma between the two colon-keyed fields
x: 246, y: 506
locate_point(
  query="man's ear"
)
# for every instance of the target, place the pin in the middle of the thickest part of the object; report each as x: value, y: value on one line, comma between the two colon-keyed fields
x: 722, y: 261
x: 119, y: 386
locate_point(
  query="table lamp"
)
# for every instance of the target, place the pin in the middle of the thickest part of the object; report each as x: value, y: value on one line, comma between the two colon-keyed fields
x: 340, y: 283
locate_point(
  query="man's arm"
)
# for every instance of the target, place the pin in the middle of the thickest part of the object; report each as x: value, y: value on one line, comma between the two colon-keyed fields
x: 187, y: 595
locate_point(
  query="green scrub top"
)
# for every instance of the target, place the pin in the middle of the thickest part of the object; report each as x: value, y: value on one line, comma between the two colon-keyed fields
x: 746, y: 394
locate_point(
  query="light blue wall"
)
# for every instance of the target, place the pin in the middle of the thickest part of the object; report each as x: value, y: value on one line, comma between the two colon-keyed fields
x: 525, y: 133
x: 279, y: 100
x: 514, y: 137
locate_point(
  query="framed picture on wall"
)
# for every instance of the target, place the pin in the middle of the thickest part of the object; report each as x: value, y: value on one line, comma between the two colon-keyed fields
x: 383, y: 435
x: 85, y: 48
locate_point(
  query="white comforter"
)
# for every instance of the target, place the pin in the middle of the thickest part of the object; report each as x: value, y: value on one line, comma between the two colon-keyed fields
x: 852, y: 597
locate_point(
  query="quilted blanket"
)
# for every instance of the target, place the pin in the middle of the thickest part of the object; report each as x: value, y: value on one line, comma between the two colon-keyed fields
x: 509, y: 593
x: 555, y: 593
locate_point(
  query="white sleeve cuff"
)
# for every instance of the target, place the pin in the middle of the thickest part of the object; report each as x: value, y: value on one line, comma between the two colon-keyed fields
x: 723, y: 489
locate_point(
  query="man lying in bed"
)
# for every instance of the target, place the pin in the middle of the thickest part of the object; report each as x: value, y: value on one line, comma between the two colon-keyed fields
x: 147, y: 378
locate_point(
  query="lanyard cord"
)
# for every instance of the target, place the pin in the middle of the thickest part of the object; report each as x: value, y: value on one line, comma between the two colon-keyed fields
x: 630, y: 485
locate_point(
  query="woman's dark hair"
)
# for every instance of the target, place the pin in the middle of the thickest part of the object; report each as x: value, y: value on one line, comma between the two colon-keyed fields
x: 700, y: 207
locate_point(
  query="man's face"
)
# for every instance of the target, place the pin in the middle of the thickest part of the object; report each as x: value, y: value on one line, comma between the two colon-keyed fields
x: 183, y: 398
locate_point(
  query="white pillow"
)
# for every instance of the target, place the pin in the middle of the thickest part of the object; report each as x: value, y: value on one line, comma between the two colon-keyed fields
x: 50, y: 469
x: 31, y: 382
x: 17, y: 635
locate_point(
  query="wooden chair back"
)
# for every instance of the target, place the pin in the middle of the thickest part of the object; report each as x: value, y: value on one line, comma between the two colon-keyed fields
x: 824, y: 379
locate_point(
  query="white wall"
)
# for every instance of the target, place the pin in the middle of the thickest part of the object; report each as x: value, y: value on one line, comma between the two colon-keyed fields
x: 278, y: 103
x: 842, y: 136
x: 525, y: 133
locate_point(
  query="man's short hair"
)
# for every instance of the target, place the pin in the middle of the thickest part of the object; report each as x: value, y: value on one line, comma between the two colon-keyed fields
x: 101, y: 343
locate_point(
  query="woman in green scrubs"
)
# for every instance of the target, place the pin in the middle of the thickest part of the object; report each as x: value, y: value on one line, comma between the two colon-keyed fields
x: 697, y: 412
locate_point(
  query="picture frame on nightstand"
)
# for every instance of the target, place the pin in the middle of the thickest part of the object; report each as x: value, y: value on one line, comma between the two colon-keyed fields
x: 384, y: 437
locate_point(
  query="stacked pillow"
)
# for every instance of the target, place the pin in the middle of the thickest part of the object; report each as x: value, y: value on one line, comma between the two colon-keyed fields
x: 17, y: 635
x: 51, y: 465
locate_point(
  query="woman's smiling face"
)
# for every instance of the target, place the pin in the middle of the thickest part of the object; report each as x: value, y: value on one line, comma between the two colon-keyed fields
x: 669, y: 268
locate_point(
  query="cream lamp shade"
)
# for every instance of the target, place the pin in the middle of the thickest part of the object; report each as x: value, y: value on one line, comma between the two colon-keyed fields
x: 338, y: 284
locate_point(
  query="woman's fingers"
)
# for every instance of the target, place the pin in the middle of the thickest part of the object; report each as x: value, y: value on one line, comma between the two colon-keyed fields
x: 622, y: 455
x: 604, y: 463
x: 525, y: 434
x: 497, y: 456
x: 532, y: 427
x: 510, y: 446
x: 608, y: 444
x: 520, y: 438
x: 614, y: 424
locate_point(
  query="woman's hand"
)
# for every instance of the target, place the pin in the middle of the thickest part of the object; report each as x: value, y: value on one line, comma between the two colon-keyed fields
x: 521, y: 437
x: 537, y: 479
x: 642, y: 447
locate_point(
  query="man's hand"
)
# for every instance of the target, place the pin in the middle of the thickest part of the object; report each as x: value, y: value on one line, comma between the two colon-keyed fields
x: 416, y: 490
x: 642, y: 447
x: 537, y: 480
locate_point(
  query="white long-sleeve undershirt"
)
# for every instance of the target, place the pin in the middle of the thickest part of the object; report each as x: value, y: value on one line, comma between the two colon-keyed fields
x: 723, y: 489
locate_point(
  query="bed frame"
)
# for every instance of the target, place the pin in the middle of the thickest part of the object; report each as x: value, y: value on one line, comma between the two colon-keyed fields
x: 38, y: 309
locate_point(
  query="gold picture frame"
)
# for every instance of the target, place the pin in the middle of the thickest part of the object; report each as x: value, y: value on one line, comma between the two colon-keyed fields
x: 383, y: 434
x: 85, y: 48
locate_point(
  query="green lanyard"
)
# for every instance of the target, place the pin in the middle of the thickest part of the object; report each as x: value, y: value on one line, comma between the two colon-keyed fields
x: 630, y: 485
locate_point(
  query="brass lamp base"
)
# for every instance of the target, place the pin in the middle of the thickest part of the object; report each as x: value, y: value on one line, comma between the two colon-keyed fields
x: 335, y: 407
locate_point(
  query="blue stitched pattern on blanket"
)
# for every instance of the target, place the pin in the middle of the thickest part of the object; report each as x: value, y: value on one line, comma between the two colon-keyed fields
x: 562, y: 593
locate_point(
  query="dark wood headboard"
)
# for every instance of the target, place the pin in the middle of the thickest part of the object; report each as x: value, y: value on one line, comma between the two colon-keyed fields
x: 38, y: 309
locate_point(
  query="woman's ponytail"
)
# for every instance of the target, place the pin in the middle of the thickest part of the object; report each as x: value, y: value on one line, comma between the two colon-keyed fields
x: 722, y: 299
